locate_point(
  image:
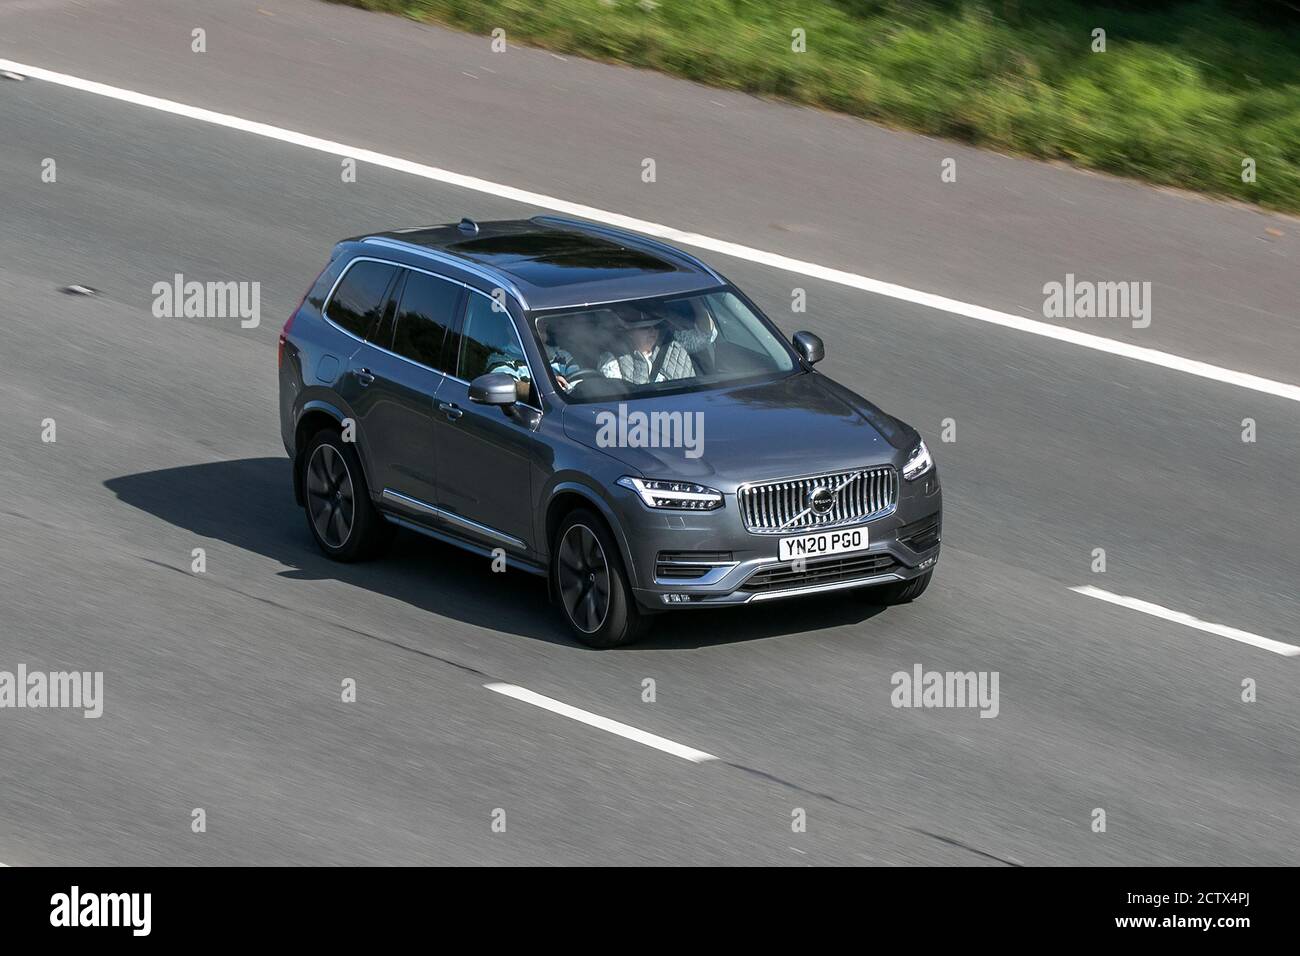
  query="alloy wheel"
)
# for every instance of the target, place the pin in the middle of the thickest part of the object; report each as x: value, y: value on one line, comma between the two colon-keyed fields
x: 330, y: 496
x: 583, y: 575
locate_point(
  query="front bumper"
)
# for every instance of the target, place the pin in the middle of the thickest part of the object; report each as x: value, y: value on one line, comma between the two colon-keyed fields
x: 741, y: 567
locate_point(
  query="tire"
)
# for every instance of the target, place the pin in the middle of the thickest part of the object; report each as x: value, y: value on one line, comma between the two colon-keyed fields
x: 340, y: 515
x: 591, y: 585
x: 901, y: 592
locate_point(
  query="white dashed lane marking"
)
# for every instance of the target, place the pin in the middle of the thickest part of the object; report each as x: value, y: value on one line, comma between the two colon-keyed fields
x: 602, y: 723
x: 1178, y: 617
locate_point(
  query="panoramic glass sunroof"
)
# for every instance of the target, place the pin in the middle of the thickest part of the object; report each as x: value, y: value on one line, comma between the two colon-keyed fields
x: 551, y: 258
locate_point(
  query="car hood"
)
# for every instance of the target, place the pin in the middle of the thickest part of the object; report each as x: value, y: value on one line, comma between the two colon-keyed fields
x: 802, y: 424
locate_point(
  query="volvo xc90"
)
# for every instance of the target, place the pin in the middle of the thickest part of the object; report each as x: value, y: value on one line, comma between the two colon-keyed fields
x: 600, y: 408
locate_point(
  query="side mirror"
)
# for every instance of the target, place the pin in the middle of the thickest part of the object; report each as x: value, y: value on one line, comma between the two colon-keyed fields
x: 809, y: 347
x: 494, y: 388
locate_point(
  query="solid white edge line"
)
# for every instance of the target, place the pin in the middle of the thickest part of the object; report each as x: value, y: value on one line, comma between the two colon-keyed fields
x: 809, y: 269
x: 602, y: 723
x: 1178, y: 617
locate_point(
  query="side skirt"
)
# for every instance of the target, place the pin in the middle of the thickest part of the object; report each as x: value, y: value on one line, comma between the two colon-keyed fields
x: 446, y: 537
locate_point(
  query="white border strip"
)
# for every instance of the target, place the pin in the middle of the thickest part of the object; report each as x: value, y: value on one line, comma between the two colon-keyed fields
x: 809, y: 269
x: 1178, y: 617
x: 603, y: 723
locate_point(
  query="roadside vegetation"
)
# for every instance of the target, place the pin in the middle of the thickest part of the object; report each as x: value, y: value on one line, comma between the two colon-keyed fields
x: 1183, y: 95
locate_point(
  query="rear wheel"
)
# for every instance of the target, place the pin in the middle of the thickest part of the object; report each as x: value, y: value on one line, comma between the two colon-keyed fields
x: 900, y: 592
x: 591, y: 585
x: 340, y: 515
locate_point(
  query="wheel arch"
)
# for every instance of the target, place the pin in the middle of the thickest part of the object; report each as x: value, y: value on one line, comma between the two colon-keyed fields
x: 315, y: 415
x: 567, y: 496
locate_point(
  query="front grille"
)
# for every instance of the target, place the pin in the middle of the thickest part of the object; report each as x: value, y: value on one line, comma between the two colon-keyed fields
x: 819, y: 571
x: 782, y: 507
x: 688, y: 565
x: 921, y: 535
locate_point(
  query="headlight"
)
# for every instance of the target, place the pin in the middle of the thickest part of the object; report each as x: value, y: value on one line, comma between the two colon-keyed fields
x: 919, y: 463
x: 673, y: 495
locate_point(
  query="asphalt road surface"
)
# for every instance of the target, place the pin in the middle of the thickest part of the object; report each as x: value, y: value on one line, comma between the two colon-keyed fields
x: 222, y: 689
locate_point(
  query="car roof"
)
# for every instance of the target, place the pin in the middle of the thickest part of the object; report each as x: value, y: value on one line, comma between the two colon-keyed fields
x: 552, y: 262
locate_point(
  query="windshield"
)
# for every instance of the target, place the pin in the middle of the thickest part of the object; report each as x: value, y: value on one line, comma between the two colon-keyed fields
x: 650, y: 346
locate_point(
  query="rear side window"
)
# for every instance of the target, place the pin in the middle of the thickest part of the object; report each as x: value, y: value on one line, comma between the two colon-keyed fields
x: 359, y: 300
x: 427, y: 311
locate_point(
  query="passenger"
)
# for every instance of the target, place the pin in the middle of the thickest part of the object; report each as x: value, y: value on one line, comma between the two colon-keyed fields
x: 700, y: 341
x: 645, y: 335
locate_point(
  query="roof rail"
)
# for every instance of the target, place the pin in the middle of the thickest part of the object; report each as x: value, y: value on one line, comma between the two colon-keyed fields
x: 484, y: 272
x: 628, y: 235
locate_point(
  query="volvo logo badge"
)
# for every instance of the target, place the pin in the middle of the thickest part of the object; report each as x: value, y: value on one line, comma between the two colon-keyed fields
x: 821, y: 500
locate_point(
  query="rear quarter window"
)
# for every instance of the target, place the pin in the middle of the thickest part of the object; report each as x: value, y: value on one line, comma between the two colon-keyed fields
x: 359, y: 298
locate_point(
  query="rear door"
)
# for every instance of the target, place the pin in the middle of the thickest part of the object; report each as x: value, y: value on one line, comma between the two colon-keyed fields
x: 397, y: 376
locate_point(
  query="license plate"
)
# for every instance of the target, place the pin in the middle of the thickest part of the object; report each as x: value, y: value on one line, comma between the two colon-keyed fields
x: 823, y: 543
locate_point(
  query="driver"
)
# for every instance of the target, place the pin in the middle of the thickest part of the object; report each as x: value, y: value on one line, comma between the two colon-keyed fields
x: 561, y: 360
x: 647, y: 339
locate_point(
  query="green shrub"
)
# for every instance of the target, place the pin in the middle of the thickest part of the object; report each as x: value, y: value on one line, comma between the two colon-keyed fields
x: 1184, y: 91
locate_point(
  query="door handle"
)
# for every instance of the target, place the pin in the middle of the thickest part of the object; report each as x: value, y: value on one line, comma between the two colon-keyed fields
x: 365, y: 376
x: 450, y: 409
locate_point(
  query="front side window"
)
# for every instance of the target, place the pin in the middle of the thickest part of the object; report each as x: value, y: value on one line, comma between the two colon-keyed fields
x: 489, y: 343
x: 648, y: 346
x: 359, y: 300
x: 426, y: 312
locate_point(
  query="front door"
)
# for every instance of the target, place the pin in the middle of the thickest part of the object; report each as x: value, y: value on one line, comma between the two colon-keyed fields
x: 485, y: 453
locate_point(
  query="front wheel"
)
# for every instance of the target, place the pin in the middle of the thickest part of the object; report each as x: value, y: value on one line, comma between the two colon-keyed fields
x: 592, y: 587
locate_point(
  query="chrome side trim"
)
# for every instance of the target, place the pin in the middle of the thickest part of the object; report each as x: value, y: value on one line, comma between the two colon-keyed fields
x: 688, y: 563
x: 451, y: 518
x: 715, y: 573
x: 520, y: 563
x: 815, y: 588
x: 324, y: 309
x: 480, y: 528
x: 411, y: 361
x: 410, y: 502
x: 499, y: 279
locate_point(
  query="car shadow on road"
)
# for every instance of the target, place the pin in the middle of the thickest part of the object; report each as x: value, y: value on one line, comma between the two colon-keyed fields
x: 248, y: 503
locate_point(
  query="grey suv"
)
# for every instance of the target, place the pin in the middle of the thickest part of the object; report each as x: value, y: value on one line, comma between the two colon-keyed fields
x: 594, y: 406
